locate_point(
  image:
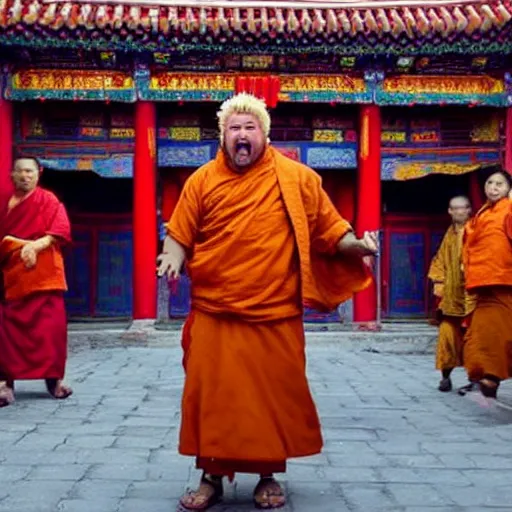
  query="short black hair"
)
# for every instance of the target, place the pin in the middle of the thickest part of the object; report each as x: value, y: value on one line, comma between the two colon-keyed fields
x: 505, y: 174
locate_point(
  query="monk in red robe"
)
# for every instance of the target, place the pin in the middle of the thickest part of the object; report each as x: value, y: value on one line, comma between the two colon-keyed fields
x: 261, y: 239
x: 487, y: 257
x: 33, y: 328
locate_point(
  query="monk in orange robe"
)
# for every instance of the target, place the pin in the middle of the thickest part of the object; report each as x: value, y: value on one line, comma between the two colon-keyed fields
x: 487, y: 257
x: 33, y: 329
x: 446, y: 274
x: 261, y: 239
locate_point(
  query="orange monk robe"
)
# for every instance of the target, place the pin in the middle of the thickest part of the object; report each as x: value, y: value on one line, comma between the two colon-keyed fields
x: 448, y: 278
x: 487, y: 257
x: 259, y: 245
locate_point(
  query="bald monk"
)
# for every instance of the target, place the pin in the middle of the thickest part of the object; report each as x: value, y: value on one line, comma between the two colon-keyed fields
x: 487, y: 257
x: 33, y: 330
x: 446, y: 274
x: 261, y: 239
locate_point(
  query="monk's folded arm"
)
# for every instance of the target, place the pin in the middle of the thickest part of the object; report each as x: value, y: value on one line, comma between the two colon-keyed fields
x: 44, y: 242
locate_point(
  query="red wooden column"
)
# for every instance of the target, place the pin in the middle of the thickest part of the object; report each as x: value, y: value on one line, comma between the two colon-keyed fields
x: 6, y: 142
x: 144, y: 213
x: 476, y: 194
x: 368, y: 204
x: 170, y: 195
x: 508, y: 140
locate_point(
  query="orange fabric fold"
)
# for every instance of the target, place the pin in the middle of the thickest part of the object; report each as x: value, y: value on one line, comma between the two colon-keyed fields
x: 487, y: 253
x: 19, y: 281
x: 220, y: 213
x: 246, y: 398
x: 449, y: 343
x: 488, y: 342
x: 259, y: 245
x: 446, y: 273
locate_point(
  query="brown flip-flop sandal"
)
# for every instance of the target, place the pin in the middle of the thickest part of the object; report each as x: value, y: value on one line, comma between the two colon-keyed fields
x: 271, y: 489
x: 218, y: 492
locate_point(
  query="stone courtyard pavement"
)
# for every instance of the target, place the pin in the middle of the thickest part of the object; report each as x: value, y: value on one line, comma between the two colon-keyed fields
x: 392, y: 441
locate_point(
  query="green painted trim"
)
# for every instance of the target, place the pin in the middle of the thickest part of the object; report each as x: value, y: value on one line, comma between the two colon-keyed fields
x: 330, y: 96
x: 494, y: 100
x: 22, y: 95
x: 278, y: 46
x: 147, y: 94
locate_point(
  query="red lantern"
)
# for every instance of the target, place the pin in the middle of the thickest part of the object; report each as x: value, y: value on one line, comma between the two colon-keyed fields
x: 263, y: 87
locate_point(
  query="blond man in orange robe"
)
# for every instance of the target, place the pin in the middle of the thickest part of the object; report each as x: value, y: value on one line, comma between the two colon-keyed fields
x: 446, y: 274
x: 487, y: 257
x: 261, y: 239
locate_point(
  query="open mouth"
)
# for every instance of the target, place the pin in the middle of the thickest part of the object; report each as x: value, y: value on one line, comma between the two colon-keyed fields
x: 243, y: 149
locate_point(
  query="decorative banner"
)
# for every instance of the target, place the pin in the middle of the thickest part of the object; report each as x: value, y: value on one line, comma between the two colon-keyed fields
x: 189, y: 133
x: 411, y: 164
x: 425, y: 137
x: 92, y: 132
x: 414, y: 170
x: 327, y: 88
x: 292, y: 152
x: 393, y: 137
x: 71, y: 84
x: 122, y: 133
x: 323, y: 157
x: 168, y: 86
x: 117, y: 166
x: 257, y: 62
x: 473, y: 90
x: 329, y: 136
x: 185, y: 155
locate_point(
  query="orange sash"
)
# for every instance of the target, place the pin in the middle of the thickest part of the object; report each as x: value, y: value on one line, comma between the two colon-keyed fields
x: 19, y: 281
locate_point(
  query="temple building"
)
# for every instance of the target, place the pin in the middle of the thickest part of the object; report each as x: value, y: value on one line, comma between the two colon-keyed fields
x: 396, y: 107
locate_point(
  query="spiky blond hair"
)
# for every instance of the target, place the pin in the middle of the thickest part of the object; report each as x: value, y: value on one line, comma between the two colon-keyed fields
x: 244, y: 103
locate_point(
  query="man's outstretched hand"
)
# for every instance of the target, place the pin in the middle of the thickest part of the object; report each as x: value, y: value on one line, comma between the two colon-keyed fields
x: 368, y: 245
x: 167, y: 265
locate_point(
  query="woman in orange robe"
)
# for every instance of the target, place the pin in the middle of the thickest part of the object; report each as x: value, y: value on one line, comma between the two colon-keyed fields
x: 487, y: 257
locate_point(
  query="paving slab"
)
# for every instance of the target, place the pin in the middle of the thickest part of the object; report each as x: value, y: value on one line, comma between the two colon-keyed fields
x: 392, y: 441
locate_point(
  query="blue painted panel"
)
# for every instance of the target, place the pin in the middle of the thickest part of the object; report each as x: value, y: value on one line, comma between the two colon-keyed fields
x: 78, y: 274
x: 183, y: 154
x: 179, y: 297
x: 407, y: 275
x: 435, y: 242
x: 115, y: 266
x: 314, y: 317
x: 330, y: 156
x: 115, y: 166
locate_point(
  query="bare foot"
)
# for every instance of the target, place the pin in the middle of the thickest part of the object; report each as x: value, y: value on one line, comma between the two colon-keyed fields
x: 488, y: 388
x: 57, y: 389
x: 269, y: 494
x: 208, y: 494
x: 6, y: 394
